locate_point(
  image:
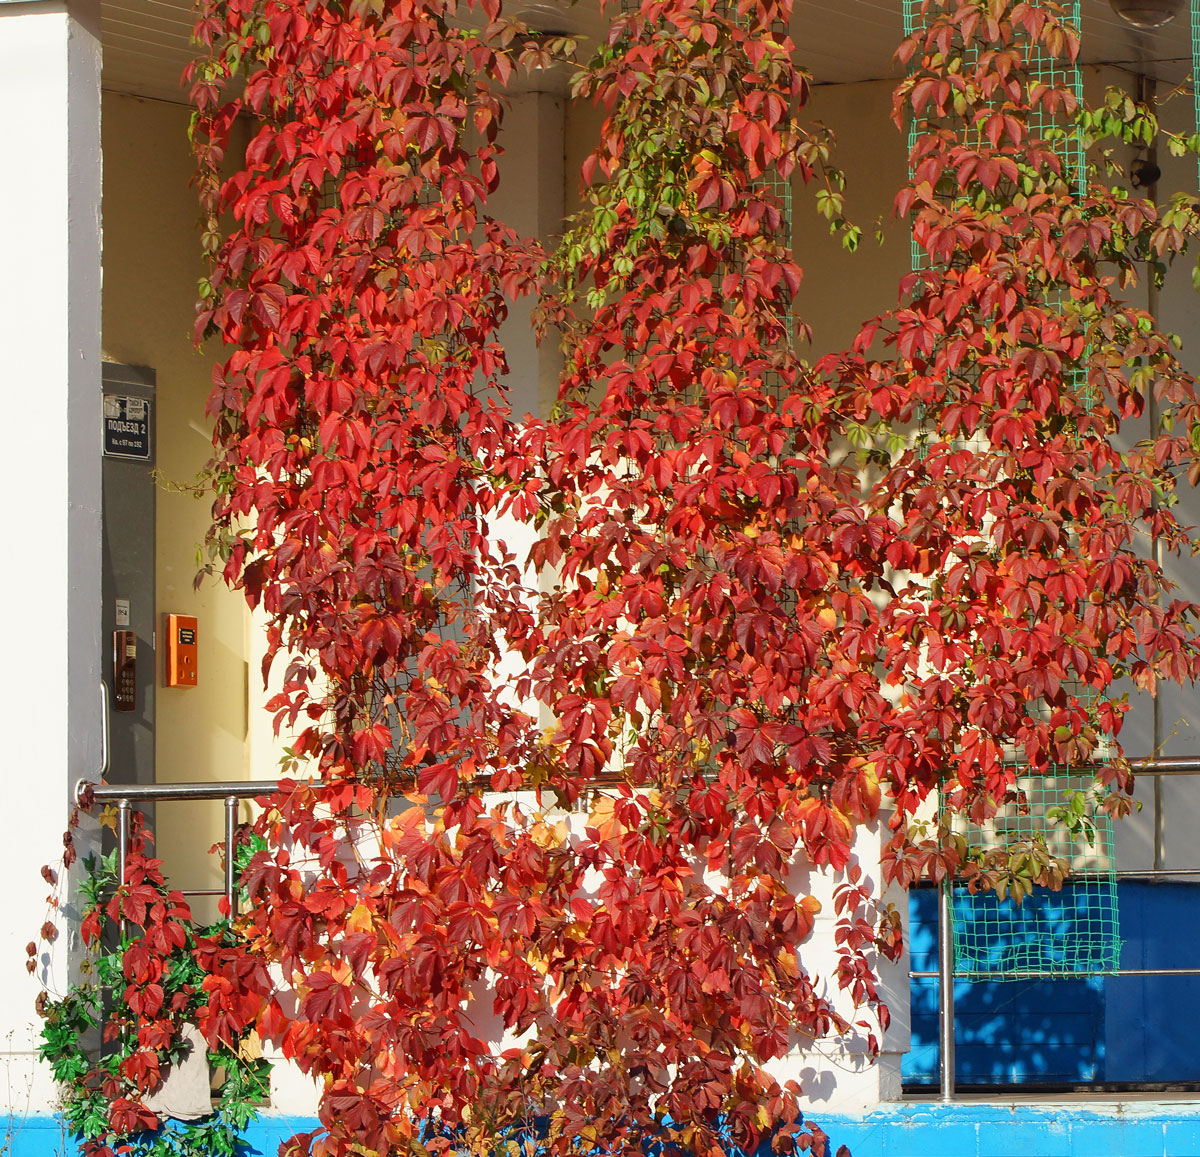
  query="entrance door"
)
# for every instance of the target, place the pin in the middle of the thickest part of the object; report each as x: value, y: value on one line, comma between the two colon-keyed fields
x: 128, y: 618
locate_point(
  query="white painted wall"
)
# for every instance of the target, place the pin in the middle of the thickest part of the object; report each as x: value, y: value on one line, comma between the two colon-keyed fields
x: 838, y: 1075
x: 49, y: 480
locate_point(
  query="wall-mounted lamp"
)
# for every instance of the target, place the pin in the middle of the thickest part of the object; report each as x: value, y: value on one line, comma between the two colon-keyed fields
x: 1147, y: 13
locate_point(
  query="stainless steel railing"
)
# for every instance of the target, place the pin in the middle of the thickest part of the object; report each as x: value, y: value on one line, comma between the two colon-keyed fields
x: 126, y: 795
x: 945, y: 940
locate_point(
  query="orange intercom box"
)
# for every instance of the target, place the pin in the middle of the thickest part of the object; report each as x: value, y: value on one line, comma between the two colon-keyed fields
x: 181, y: 650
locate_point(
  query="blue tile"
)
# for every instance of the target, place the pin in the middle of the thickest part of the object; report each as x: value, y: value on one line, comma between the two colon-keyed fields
x: 1129, y: 1137
x: 927, y: 1139
x: 1182, y: 1137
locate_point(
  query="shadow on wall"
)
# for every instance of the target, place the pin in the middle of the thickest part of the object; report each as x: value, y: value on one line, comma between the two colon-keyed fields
x: 1063, y: 1033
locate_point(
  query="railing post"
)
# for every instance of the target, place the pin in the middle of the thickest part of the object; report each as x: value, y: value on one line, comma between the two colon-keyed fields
x: 122, y: 854
x: 231, y: 805
x: 122, y: 839
x: 946, y: 989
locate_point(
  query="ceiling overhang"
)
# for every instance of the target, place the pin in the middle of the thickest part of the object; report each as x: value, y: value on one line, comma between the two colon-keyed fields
x: 146, y: 42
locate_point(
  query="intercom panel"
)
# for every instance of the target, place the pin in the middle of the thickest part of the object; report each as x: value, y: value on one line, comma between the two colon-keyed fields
x: 124, y: 671
x: 181, y: 651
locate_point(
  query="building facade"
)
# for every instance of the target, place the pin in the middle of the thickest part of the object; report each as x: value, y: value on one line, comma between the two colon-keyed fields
x: 102, y: 265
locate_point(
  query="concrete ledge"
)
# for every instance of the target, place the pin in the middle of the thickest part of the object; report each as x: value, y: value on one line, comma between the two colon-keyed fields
x: 1068, y: 1128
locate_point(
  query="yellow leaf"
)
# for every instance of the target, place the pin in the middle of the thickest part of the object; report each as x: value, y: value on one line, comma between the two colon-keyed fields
x: 549, y: 835
x: 602, y: 818
x: 360, y: 919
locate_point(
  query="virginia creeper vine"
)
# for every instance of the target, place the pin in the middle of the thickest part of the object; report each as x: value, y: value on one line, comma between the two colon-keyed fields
x: 784, y: 605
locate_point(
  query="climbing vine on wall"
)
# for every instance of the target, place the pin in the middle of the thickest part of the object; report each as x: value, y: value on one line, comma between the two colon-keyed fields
x: 363, y: 442
x: 113, y: 1038
x: 784, y: 604
x: 703, y: 521
x: 1020, y: 607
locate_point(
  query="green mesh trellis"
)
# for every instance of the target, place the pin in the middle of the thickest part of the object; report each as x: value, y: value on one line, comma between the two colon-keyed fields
x: 1195, y: 7
x: 1072, y: 932
x: 1043, y: 69
x: 1067, y: 143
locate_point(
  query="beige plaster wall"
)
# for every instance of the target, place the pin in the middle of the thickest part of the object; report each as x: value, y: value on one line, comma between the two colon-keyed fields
x: 151, y: 265
x: 841, y: 290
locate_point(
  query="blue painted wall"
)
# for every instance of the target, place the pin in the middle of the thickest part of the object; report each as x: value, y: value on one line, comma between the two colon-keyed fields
x: 1102, y: 1029
x: 909, y: 1130
x: 915, y: 1130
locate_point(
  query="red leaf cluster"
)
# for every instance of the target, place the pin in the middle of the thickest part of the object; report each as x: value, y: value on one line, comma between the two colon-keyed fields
x: 777, y: 598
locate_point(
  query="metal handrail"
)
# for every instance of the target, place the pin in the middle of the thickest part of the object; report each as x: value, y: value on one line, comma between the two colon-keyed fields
x: 105, y: 730
x: 925, y: 974
x: 165, y: 792
x: 230, y: 791
x: 123, y: 795
x: 1174, y: 765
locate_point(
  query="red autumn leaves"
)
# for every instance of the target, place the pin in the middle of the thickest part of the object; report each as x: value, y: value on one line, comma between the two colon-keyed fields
x: 774, y: 596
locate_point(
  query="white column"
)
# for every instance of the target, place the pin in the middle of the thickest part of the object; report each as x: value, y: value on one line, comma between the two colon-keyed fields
x: 49, y: 480
x: 530, y: 201
x: 837, y: 1074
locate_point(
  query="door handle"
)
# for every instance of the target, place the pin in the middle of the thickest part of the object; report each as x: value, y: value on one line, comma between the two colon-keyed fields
x: 104, y: 736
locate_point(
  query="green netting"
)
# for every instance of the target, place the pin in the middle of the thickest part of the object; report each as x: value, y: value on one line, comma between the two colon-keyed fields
x: 1195, y: 6
x: 1043, y: 69
x: 1057, y: 129
x: 1071, y: 932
